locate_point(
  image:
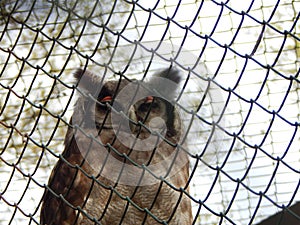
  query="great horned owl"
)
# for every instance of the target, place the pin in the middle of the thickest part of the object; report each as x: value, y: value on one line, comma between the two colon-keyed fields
x: 102, y: 178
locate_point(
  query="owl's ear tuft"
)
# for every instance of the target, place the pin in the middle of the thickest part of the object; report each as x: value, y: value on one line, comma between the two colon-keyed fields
x: 78, y: 73
x: 86, y: 80
x: 170, y: 73
x: 166, y: 82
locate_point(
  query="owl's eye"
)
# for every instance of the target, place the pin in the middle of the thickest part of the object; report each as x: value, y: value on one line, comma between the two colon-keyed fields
x: 148, y: 104
x: 149, y: 99
x: 106, y: 99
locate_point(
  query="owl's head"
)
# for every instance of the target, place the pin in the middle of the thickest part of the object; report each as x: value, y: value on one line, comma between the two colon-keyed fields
x: 129, y: 117
x: 129, y: 121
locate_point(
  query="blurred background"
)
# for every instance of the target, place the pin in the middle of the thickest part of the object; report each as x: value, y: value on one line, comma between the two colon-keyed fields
x: 240, y: 61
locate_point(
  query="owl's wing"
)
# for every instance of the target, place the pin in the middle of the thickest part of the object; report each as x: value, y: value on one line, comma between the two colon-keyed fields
x: 66, y: 189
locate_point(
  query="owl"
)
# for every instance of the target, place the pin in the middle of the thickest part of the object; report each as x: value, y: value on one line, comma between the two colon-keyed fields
x: 124, y: 160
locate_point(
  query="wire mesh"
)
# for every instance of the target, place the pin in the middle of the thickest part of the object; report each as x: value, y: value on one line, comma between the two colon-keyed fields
x: 241, y: 65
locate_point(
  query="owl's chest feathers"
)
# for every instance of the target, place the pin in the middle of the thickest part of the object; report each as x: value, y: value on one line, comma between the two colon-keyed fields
x: 128, y: 203
x: 97, y: 192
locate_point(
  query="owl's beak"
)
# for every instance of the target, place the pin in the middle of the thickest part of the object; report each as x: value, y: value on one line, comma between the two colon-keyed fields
x: 133, y: 119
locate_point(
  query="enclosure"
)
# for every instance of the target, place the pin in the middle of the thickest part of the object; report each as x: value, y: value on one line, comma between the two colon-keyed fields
x: 240, y: 99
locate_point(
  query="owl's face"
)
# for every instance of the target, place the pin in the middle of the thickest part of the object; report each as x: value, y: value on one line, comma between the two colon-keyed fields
x: 142, y: 116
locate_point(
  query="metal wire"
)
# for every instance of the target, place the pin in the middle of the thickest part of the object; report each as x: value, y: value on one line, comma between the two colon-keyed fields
x: 240, y: 97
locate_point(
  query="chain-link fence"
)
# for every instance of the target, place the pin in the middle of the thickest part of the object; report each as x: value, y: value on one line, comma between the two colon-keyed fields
x: 239, y: 62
